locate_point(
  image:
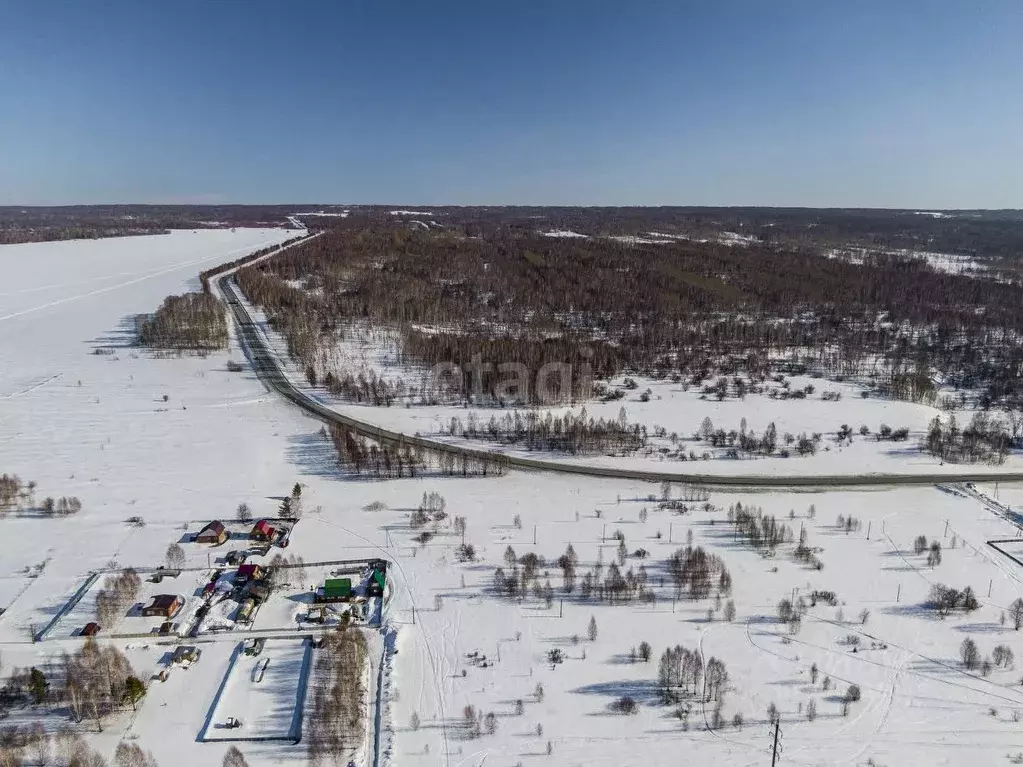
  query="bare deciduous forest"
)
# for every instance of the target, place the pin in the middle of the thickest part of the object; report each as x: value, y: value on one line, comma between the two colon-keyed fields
x: 484, y: 286
x: 194, y: 321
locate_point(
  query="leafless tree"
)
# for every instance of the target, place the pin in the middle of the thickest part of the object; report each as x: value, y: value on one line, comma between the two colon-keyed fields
x: 175, y: 556
x: 969, y: 653
x: 234, y: 758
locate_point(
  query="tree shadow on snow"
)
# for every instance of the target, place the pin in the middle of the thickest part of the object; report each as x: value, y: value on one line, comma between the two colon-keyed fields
x: 981, y: 628
x: 313, y: 455
x: 910, y: 610
x: 124, y: 336
x: 641, y: 690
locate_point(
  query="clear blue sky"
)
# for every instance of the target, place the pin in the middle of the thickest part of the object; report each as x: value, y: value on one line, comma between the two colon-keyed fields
x: 901, y: 103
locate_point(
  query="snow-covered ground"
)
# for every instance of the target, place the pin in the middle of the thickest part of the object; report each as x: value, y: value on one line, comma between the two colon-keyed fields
x: 564, y: 233
x: 220, y: 439
x: 262, y: 691
x: 950, y: 263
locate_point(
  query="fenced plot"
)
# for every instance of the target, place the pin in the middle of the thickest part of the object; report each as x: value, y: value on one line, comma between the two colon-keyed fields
x: 263, y: 694
x: 81, y: 606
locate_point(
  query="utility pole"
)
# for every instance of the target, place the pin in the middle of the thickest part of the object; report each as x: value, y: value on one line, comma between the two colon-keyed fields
x: 868, y: 530
x: 534, y: 535
x: 776, y: 749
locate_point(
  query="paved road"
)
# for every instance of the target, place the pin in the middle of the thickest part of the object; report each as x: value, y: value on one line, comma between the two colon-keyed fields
x: 270, y: 372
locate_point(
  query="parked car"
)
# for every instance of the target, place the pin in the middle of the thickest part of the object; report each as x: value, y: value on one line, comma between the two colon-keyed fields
x: 90, y: 629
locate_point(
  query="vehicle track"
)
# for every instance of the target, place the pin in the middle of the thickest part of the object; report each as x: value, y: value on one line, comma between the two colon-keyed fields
x: 428, y: 637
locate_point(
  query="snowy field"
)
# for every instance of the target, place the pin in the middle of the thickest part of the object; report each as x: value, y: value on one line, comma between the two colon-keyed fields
x: 220, y: 439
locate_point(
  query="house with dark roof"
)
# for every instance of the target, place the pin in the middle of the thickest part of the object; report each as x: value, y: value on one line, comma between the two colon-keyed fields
x: 163, y: 606
x: 214, y: 533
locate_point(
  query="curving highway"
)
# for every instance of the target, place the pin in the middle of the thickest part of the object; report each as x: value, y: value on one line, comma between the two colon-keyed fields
x: 270, y: 372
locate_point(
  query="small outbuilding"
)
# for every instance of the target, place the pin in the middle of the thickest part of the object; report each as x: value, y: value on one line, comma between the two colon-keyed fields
x: 377, y: 581
x: 163, y: 606
x: 214, y: 533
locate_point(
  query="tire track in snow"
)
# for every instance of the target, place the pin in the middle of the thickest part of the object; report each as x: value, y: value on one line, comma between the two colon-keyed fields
x: 427, y: 637
x: 33, y: 387
x: 893, y: 684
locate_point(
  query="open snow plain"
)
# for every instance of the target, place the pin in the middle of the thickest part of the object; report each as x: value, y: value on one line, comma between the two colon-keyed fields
x: 180, y: 441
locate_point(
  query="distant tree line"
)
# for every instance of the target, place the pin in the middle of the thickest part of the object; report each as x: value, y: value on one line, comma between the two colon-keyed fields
x: 204, y: 277
x: 687, y: 308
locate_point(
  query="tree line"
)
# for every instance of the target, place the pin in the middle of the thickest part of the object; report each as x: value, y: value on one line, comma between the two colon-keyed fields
x: 385, y: 459
x: 193, y: 321
x: 337, y: 719
x: 573, y: 433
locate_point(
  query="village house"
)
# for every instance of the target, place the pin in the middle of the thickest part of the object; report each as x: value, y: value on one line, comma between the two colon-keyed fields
x: 248, y: 572
x: 163, y: 606
x: 262, y: 531
x: 214, y: 533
